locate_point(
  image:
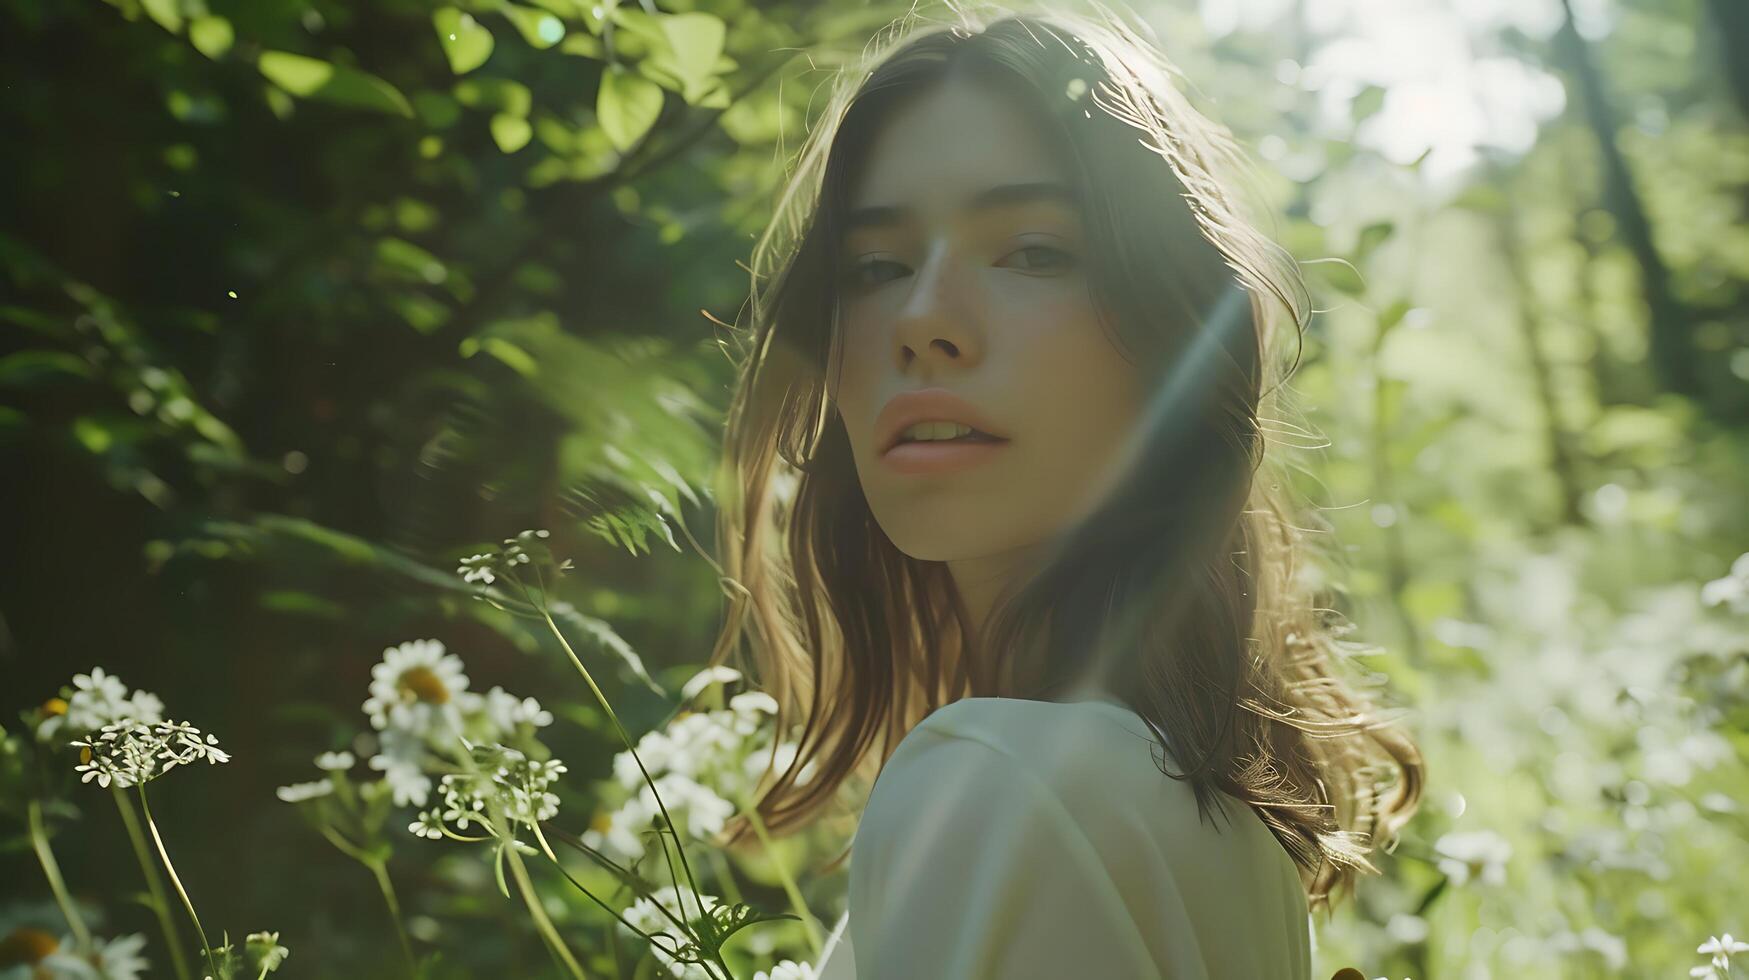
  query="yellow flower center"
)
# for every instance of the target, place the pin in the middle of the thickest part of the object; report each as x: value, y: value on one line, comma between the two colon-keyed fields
x: 26, y: 945
x: 602, y: 822
x: 84, y: 756
x: 54, y: 706
x: 425, y: 685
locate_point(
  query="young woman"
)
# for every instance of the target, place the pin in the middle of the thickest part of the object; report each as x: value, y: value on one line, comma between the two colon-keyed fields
x: 1001, y: 530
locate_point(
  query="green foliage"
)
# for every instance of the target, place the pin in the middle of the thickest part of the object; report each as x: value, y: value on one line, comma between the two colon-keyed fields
x: 336, y: 291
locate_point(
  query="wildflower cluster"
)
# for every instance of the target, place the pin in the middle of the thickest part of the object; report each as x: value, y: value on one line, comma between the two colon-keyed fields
x: 92, y: 701
x: 506, y: 779
x: 1720, y: 949
x: 135, y: 752
x: 526, y: 548
x: 676, y: 953
x: 1731, y: 590
x: 703, y: 765
x: 419, y: 698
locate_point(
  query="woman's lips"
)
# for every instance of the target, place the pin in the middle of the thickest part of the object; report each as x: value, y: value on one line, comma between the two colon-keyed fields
x: 942, y: 456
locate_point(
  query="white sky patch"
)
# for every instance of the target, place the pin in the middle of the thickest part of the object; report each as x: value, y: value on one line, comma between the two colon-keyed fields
x: 1447, y: 93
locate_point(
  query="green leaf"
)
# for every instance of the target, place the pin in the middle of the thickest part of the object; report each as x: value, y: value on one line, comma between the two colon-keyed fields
x: 583, y: 45
x: 502, y: 94
x: 313, y: 78
x: 627, y: 106
x: 301, y: 604
x: 511, y: 133
x: 211, y: 36
x: 466, y: 42
x: 696, y: 39
x: 539, y: 28
x: 30, y: 366
x: 168, y: 14
x: 435, y: 109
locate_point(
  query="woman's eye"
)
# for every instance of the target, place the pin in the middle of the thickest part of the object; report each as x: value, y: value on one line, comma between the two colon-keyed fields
x: 859, y: 274
x: 1052, y: 258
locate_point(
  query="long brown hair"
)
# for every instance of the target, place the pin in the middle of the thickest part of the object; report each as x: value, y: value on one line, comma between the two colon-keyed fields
x: 1184, y: 592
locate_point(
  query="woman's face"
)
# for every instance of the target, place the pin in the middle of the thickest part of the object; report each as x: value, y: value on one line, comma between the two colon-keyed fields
x: 990, y: 303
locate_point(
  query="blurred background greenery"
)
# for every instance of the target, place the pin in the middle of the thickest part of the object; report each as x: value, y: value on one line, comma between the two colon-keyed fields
x: 303, y: 301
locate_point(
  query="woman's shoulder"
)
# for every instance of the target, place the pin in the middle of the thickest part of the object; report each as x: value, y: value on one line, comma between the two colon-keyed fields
x: 1089, y: 754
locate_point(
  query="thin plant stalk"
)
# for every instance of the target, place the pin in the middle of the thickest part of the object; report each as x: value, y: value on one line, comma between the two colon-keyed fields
x: 154, y: 884
x: 170, y: 869
x: 815, y: 942
x: 720, y: 865
x: 380, y: 871
x: 518, y: 870
x: 544, y: 924
x: 624, y: 737
x: 39, y: 838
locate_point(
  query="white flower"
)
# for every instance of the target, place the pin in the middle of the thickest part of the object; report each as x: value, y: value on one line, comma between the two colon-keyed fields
x: 779, y: 760
x: 1720, y: 948
x: 38, y: 955
x: 299, y: 792
x: 622, y: 835
x: 787, y: 970
x: 119, y: 958
x: 419, y: 688
x: 429, y: 823
x: 707, y: 677
x: 702, y: 741
x: 99, y: 699
x: 268, y: 952
x: 1480, y: 854
x: 400, y: 760
x: 507, y: 711
x: 134, y: 752
x: 746, y: 712
x: 694, y: 808
x: 477, y: 568
x: 1732, y: 589
x: 335, y: 761
x: 655, y: 749
x: 668, y: 942
x: 507, y: 779
x: 753, y: 702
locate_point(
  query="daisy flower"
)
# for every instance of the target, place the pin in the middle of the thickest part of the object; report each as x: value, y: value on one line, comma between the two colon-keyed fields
x: 418, y: 688
x: 34, y: 954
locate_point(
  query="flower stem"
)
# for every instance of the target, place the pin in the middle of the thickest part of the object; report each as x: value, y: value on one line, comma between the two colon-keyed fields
x: 789, y: 883
x: 380, y: 871
x: 154, y: 884
x: 625, y: 739
x: 170, y: 869
x: 504, y: 831
x: 544, y: 924
x: 39, y: 838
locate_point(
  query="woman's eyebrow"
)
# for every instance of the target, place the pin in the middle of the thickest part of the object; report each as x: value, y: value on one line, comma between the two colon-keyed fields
x: 999, y: 196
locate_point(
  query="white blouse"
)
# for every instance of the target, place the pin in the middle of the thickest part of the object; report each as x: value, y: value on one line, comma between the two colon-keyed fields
x: 1016, y: 839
